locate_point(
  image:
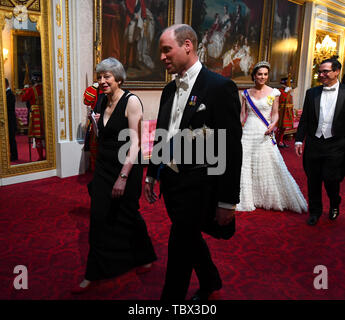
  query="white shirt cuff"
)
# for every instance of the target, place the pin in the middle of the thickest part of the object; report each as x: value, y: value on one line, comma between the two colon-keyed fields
x: 149, y: 180
x: 298, y: 143
x: 226, y: 205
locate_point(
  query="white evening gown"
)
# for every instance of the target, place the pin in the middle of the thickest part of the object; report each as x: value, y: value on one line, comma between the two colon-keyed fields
x: 265, y: 180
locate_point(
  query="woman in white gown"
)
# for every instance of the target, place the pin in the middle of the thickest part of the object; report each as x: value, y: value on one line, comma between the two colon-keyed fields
x: 265, y: 180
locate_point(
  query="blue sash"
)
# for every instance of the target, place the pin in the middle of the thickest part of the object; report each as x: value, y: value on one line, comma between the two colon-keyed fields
x: 258, y: 113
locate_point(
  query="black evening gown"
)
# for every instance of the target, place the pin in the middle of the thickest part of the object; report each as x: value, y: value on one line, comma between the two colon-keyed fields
x: 118, y: 236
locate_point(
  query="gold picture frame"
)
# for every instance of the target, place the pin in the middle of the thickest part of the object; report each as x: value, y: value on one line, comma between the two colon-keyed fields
x: 287, y: 19
x: 227, y: 32
x: 135, y: 44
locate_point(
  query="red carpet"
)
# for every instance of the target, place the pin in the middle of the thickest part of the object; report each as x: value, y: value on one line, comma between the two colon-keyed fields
x: 44, y: 226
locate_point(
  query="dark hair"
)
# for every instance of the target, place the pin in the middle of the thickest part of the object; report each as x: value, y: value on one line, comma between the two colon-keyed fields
x: 255, y: 70
x: 284, y: 80
x: 7, y: 83
x: 36, y: 77
x: 336, y: 65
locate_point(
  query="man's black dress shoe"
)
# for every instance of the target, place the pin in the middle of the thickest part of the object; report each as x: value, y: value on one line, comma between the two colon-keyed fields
x: 203, y: 295
x: 333, y: 213
x: 312, y: 220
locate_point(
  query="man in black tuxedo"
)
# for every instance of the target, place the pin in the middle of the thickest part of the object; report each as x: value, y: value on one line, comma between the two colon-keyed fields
x: 12, y: 121
x: 322, y: 127
x: 196, y: 99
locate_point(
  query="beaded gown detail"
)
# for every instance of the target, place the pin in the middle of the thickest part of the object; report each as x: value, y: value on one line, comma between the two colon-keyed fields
x: 265, y: 180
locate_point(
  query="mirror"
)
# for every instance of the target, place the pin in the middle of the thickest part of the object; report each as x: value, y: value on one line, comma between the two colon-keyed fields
x: 28, y: 142
x: 26, y: 116
x: 326, y: 46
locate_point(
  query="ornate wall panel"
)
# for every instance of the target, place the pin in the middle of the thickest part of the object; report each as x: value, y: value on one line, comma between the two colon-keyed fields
x: 62, y: 69
x: 25, y: 16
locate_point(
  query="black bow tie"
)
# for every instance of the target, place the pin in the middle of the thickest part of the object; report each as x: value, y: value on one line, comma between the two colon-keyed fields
x: 328, y: 89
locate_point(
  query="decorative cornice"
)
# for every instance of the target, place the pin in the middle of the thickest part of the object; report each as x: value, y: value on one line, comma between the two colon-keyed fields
x: 337, y: 6
x: 31, y: 5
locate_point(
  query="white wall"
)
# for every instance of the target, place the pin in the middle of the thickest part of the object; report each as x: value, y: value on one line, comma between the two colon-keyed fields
x: 70, y: 157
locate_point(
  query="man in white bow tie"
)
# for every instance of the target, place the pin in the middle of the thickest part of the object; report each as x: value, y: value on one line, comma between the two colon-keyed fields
x: 322, y: 127
x: 196, y: 99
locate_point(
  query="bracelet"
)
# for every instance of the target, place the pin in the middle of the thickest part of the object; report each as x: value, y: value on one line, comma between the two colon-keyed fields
x: 123, y: 175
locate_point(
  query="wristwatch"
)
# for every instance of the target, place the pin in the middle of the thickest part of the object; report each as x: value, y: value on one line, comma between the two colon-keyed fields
x: 123, y: 175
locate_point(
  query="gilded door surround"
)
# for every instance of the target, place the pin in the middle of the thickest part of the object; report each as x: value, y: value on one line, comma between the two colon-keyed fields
x: 40, y: 12
x: 63, y: 70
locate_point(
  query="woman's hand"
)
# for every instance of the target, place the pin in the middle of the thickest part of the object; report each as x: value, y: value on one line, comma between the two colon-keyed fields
x: 270, y: 129
x: 96, y: 116
x: 119, y: 187
x: 274, y: 116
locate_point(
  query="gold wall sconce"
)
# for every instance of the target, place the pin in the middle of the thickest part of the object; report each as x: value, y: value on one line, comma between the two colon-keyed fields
x: 5, y: 54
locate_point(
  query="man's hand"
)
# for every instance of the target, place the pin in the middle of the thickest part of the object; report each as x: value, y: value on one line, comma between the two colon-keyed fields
x: 299, y: 149
x: 224, y: 216
x: 150, y: 195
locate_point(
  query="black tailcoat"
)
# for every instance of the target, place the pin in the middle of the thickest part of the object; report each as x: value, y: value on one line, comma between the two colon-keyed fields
x: 191, y: 196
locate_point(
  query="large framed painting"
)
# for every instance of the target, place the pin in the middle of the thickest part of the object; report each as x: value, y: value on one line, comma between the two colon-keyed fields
x: 129, y: 30
x: 230, y: 34
x: 286, y: 37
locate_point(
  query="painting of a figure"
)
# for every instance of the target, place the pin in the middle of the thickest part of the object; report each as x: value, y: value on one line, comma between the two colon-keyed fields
x: 287, y: 20
x: 130, y: 33
x: 28, y: 57
x: 229, y: 35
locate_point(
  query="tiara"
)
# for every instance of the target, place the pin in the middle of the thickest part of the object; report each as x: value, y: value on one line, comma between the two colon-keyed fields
x: 262, y: 64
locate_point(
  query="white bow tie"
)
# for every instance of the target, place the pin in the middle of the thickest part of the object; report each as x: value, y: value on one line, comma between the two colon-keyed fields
x: 182, y: 82
x: 328, y: 89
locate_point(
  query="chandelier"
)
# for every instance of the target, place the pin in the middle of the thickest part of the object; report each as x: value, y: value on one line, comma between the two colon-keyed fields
x: 324, y: 50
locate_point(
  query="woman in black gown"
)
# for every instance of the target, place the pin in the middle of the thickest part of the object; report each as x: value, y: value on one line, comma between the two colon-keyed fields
x: 118, y: 236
